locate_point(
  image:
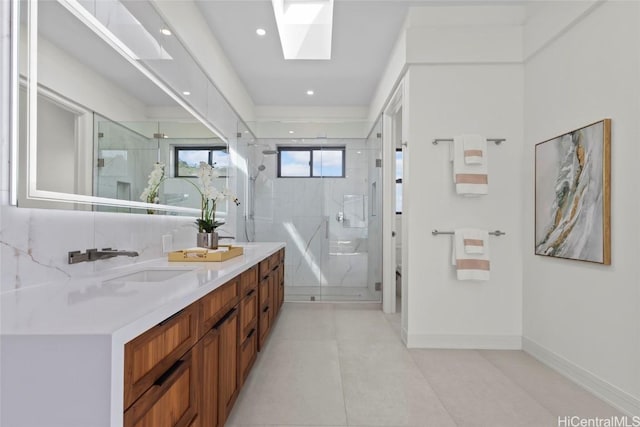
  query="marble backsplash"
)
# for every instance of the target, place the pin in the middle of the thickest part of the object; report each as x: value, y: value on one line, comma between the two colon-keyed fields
x: 34, y: 243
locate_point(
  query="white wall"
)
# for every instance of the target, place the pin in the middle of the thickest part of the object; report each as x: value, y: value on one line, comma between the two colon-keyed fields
x: 57, y: 150
x: 451, y: 89
x: 444, y: 101
x: 585, y: 318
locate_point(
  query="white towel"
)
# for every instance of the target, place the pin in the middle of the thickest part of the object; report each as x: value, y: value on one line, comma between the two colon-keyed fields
x: 470, y: 179
x: 475, y: 149
x: 470, y: 266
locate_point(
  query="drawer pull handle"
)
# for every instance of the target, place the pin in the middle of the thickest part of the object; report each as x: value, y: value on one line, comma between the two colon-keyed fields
x: 251, y: 292
x: 264, y: 310
x: 253, y: 331
x: 173, y: 316
x: 164, y: 377
x: 224, y: 318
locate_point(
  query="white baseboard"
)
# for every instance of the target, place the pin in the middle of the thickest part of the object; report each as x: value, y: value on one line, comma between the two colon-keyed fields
x: 608, y: 392
x: 478, y: 342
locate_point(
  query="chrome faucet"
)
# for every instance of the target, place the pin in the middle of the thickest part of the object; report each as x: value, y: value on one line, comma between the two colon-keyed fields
x: 95, y: 255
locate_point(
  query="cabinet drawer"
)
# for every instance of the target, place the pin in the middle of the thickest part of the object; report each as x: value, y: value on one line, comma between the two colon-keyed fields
x: 264, y: 269
x: 171, y: 401
x: 248, y: 313
x: 249, y: 280
x: 152, y: 353
x: 248, y: 354
x: 214, y: 305
x: 274, y: 260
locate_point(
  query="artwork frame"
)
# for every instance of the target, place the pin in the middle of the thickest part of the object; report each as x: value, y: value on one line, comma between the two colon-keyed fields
x: 573, y: 195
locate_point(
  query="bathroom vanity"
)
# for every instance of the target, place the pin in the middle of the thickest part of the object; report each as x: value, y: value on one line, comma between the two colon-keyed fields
x: 155, y: 344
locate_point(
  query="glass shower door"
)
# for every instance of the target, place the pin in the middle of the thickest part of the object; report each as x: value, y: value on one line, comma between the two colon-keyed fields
x: 347, y: 209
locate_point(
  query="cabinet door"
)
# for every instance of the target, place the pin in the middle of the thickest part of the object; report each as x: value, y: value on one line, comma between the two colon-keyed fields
x: 263, y: 326
x: 228, y: 372
x: 210, y: 357
x: 171, y: 401
x: 248, y: 354
x: 263, y: 291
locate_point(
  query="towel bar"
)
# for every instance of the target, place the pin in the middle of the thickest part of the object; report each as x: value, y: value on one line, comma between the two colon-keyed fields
x: 498, y: 141
x: 493, y: 233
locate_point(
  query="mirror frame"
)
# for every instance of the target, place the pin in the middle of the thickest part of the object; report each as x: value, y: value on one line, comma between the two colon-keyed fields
x: 32, y: 192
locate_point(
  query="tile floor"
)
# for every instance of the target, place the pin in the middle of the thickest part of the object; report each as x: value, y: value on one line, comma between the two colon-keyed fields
x: 344, y: 365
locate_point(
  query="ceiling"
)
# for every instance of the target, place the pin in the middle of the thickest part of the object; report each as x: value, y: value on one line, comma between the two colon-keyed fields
x: 364, y: 33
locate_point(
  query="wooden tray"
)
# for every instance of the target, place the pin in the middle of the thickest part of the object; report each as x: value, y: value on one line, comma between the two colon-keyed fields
x: 223, y: 253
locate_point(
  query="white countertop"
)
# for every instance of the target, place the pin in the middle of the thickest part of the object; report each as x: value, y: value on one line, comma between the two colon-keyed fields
x: 91, y: 305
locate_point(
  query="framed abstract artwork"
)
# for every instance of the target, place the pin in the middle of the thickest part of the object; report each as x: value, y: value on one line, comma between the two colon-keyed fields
x: 573, y: 195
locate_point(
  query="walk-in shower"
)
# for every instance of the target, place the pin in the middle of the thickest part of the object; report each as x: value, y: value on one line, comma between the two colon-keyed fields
x: 319, y: 196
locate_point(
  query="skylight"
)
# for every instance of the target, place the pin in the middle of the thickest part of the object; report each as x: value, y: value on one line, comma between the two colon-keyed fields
x: 305, y: 28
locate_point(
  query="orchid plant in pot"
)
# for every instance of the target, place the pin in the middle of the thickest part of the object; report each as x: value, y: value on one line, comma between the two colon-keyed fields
x: 151, y: 192
x: 210, y: 196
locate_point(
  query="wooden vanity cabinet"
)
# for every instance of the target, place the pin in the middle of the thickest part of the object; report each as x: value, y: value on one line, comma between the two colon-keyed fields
x: 187, y: 370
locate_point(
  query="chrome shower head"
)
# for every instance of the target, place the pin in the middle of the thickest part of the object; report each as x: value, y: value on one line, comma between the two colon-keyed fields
x: 261, y: 168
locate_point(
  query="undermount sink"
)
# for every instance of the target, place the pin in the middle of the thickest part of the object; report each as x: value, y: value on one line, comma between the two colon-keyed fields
x: 150, y: 275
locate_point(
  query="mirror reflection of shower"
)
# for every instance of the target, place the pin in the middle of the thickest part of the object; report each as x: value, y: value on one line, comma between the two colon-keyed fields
x: 249, y: 229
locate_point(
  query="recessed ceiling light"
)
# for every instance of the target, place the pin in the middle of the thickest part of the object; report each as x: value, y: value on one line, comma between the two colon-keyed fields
x: 261, y: 32
x: 186, y: 93
x: 290, y: 131
x: 310, y: 92
x: 165, y: 31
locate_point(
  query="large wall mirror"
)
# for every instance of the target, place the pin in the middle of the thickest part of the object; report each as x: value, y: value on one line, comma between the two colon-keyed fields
x: 105, y: 93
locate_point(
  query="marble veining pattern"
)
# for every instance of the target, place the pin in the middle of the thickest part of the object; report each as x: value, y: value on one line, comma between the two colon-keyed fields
x: 34, y: 243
